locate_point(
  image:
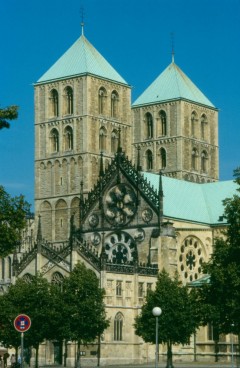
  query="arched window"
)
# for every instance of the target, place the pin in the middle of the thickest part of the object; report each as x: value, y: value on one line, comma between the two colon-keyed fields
x: 114, y: 104
x: 57, y: 279
x: 163, y: 158
x: 68, y: 95
x: 114, y: 141
x: 194, y: 158
x: 54, y: 137
x: 68, y: 138
x: 3, y: 268
x: 163, y: 122
x: 53, y: 103
x: 102, y: 139
x: 203, y: 126
x: 193, y: 123
x: 9, y: 267
x: 149, y: 160
x: 204, y: 161
x: 102, y: 94
x: 149, y: 125
x: 27, y: 278
x: 118, y: 327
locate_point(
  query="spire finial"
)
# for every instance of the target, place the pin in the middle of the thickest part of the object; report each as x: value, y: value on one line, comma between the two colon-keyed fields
x: 172, y: 39
x: 82, y: 19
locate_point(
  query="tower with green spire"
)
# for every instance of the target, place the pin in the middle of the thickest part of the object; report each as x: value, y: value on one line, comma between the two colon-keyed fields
x: 176, y: 127
x: 81, y: 102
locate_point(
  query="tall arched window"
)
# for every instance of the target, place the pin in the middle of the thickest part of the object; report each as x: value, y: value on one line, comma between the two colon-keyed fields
x: 68, y: 100
x: 3, y: 268
x: 53, y: 103
x: 193, y: 123
x: 118, y: 327
x: 9, y: 267
x: 203, y: 126
x: 68, y: 138
x: 102, y: 139
x: 57, y: 279
x: 204, y: 161
x: 194, y: 158
x: 114, y: 141
x: 163, y: 158
x: 163, y: 122
x: 54, y: 137
x: 149, y: 125
x: 149, y: 160
x: 114, y: 104
x: 102, y: 94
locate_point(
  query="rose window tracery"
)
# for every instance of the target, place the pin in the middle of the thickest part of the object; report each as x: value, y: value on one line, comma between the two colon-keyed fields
x: 191, y: 256
x: 120, y: 205
x: 120, y: 248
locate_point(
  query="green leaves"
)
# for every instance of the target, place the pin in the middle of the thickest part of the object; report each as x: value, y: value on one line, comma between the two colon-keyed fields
x: 223, y: 293
x: 178, y: 319
x: 8, y: 113
x: 13, y: 212
x: 73, y: 311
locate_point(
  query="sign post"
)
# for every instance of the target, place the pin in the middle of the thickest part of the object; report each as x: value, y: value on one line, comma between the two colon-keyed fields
x: 22, y: 323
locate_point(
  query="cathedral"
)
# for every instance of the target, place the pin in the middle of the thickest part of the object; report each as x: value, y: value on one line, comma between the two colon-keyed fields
x: 126, y: 188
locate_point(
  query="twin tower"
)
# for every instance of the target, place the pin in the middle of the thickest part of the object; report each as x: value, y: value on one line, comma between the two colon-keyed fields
x: 83, y: 110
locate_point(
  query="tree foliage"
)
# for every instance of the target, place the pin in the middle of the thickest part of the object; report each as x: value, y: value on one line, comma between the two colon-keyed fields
x: 73, y: 310
x: 8, y: 113
x: 179, y: 318
x: 222, y: 294
x: 32, y: 298
x: 84, y: 301
x: 13, y: 212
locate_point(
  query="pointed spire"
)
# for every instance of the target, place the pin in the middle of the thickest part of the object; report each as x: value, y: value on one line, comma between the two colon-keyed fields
x: 119, y: 141
x: 160, y: 193
x: 39, y: 230
x: 82, y: 22
x: 101, y: 171
x: 172, y: 38
x: 139, y: 168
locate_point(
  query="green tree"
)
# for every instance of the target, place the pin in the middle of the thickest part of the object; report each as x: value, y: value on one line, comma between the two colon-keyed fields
x: 222, y: 294
x: 13, y: 212
x: 34, y: 299
x: 179, y: 318
x: 84, y: 300
x: 8, y: 113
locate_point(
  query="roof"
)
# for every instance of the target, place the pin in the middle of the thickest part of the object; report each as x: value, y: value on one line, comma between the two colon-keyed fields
x: 199, y: 203
x: 172, y: 84
x: 81, y: 59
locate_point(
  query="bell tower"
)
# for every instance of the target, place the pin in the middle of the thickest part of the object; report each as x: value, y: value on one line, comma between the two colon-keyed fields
x: 81, y: 104
x: 176, y: 128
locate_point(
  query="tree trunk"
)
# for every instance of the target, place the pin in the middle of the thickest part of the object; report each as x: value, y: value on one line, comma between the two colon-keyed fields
x: 169, y: 355
x: 78, y: 362
x: 65, y: 354
x: 216, y: 350
x: 36, y: 357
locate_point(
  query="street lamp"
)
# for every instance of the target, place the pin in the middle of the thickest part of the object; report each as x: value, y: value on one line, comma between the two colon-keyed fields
x: 156, y: 312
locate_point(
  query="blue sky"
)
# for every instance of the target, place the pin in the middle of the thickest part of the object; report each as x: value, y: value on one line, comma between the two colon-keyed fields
x: 135, y: 37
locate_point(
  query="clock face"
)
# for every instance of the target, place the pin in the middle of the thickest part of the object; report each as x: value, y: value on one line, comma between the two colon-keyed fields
x: 120, y: 205
x: 120, y: 248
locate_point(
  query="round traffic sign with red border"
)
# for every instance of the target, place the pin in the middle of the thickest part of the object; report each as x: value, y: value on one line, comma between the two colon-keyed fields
x: 22, y: 323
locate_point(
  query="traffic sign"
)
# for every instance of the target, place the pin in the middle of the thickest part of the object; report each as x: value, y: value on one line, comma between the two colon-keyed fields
x: 22, y: 323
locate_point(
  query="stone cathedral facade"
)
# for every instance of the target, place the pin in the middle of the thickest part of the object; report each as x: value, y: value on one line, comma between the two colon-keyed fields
x: 128, y: 189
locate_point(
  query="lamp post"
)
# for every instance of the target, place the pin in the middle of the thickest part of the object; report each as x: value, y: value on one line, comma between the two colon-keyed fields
x: 156, y: 312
